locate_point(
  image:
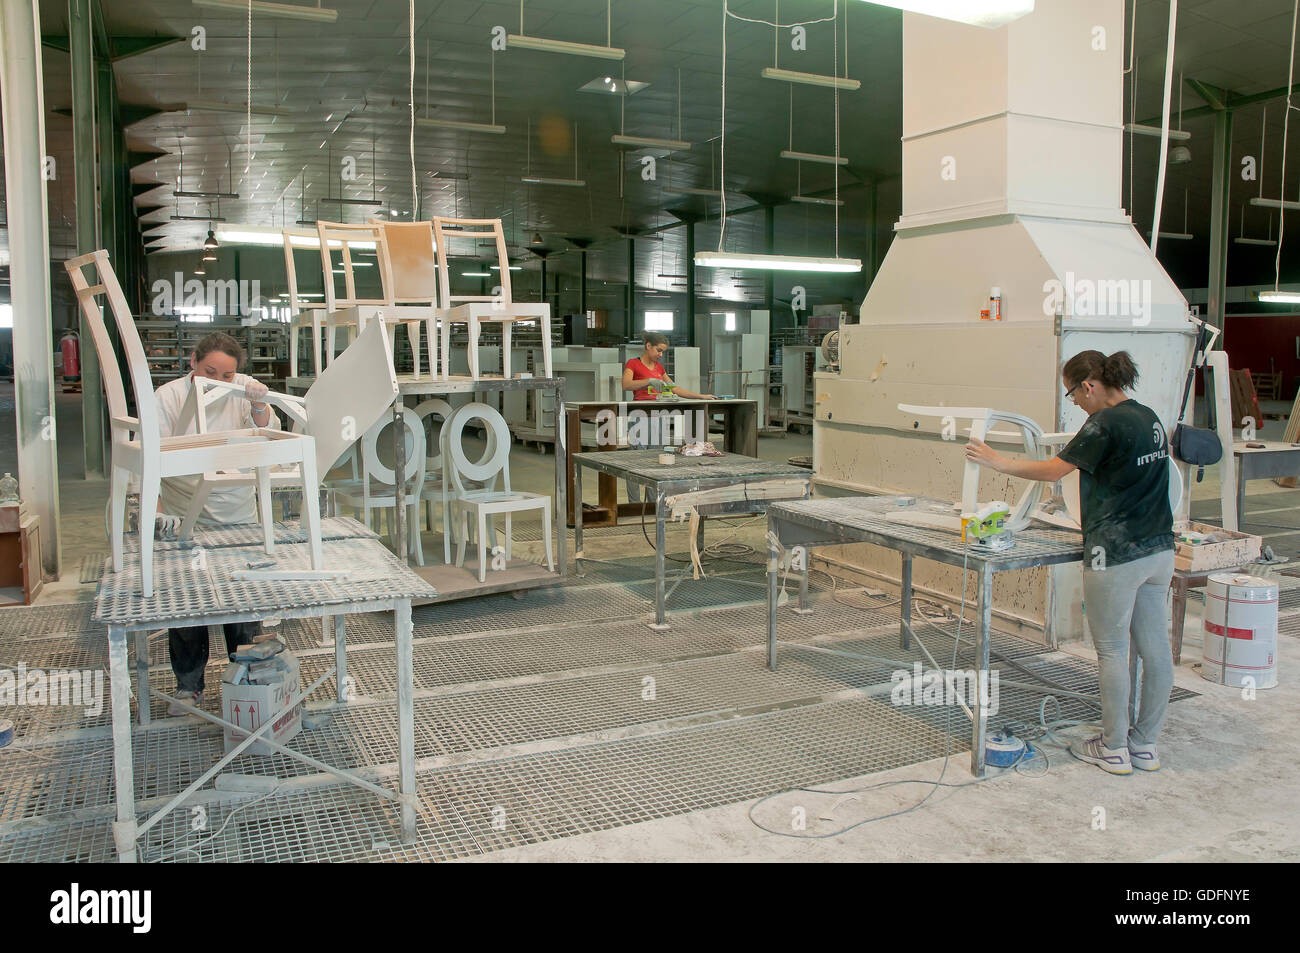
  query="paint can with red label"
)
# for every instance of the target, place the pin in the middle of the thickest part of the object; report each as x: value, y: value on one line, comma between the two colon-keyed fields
x: 1239, y: 646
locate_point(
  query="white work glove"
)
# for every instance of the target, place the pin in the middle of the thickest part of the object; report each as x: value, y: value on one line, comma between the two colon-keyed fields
x: 255, y: 391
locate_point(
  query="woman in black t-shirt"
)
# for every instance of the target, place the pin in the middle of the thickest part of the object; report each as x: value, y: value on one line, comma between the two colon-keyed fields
x: 1121, y: 453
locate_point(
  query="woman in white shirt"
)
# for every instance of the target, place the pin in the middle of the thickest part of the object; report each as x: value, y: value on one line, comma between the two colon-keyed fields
x: 218, y: 357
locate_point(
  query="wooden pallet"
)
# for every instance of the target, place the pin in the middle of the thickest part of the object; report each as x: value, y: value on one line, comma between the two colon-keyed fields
x: 1291, y: 435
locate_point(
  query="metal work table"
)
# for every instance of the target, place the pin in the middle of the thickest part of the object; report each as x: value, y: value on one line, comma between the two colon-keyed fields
x: 195, y: 588
x: 689, y: 475
x: 1274, y: 459
x: 739, y: 435
x: 834, y: 522
x: 476, y: 387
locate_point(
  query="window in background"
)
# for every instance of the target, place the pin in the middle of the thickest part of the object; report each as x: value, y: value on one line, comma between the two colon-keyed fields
x: 196, y: 314
x: 730, y: 323
x: 6, y: 316
x: 659, y: 320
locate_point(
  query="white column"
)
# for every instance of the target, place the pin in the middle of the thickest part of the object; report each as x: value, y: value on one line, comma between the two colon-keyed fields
x: 23, y: 106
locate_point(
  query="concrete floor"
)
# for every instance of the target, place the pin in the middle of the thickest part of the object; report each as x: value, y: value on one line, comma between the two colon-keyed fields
x: 1225, y: 793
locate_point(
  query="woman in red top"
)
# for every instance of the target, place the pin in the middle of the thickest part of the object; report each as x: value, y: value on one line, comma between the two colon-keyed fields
x: 643, y: 375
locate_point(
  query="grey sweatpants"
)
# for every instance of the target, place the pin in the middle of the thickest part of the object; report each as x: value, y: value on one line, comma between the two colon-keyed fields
x: 1127, y: 604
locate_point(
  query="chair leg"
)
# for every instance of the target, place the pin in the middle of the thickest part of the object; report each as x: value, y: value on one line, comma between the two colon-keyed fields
x: 195, y: 510
x: 316, y: 345
x: 482, y: 546
x: 331, y: 331
x: 264, y: 508
x: 506, y: 328
x: 150, y: 484
x: 464, y: 535
x: 509, y: 536
x: 417, y: 540
x: 473, y: 349
x: 546, y: 345
x: 446, y: 349
x: 293, y: 349
x: 311, y: 507
x: 546, y: 535
x: 431, y: 342
x: 117, y: 511
x: 413, y: 338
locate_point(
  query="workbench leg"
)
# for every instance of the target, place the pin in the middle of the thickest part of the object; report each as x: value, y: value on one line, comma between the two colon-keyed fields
x: 119, y: 675
x: 1178, y: 617
x: 773, y: 567
x: 905, y: 604
x: 659, y: 624
x: 803, y: 583
x: 143, y: 707
x: 979, y: 724
x: 340, y: 623
x: 1241, y: 491
x: 405, y: 717
x: 577, y: 520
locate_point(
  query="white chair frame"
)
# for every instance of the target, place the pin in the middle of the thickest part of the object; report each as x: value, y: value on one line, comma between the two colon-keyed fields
x: 375, y: 471
x: 486, y: 502
x: 140, y: 449
x: 476, y: 310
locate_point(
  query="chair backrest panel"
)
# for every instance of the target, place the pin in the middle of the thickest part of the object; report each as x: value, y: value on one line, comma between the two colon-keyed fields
x: 298, y: 239
x: 447, y: 230
x: 375, y: 468
x: 413, y: 262
x: 495, y: 461
x: 429, y: 408
x: 350, y: 395
x: 344, y: 238
x: 136, y: 362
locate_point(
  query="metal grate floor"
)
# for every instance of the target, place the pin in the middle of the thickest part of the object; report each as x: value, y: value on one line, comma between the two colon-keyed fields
x: 533, y: 722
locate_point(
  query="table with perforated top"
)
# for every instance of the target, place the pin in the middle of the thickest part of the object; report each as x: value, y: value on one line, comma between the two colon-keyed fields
x: 725, y: 485
x: 195, y: 587
x: 803, y: 525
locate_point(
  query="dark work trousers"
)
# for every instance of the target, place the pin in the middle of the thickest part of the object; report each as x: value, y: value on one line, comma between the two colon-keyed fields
x: 189, y: 650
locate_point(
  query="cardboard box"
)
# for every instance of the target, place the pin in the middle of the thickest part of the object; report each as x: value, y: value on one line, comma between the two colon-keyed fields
x: 249, y: 704
x: 1237, y: 550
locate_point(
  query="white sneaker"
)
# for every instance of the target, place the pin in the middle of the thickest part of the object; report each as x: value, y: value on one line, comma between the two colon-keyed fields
x: 1143, y: 757
x: 1110, y: 760
x: 194, y: 699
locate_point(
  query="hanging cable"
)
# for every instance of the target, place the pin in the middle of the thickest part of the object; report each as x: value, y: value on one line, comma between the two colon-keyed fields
x: 1286, y: 125
x: 1164, y: 125
x: 248, y: 93
x: 415, y: 189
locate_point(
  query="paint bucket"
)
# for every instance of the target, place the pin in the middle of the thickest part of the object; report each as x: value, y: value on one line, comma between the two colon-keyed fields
x: 1240, y: 631
x: 6, y: 732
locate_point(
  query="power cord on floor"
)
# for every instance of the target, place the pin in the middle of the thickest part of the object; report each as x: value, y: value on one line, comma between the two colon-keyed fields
x: 719, y: 550
x: 934, y: 785
x: 215, y: 834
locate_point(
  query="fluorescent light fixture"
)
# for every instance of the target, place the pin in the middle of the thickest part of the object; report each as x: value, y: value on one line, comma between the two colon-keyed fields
x: 986, y: 13
x: 563, y: 46
x: 449, y: 175
x: 487, y: 127
x: 512, y: 268
x: 290, y: 11
x: 814, y: 157
x: 1175, y: 236
x: 718, y: 259
x: 540, y: 180
x: 813, y: 200
x: 609, y: 86
x: 1274, y: 203
x: 1175, y: 135
x: 206, y: 195
x: 810, y: 79
x: 195, y: 218
x: 476, y: 274
x: 686, y: 190
x: 1280, y: 297
x: 240, y: 108
x: 263, y: 235
x: 343, y: 201
x: 1255, y: 241
x: 643, y: 142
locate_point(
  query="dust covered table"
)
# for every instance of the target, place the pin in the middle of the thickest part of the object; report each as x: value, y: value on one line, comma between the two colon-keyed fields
x: 836, y: 521
x: 729, y: 484
x: 195, y: 587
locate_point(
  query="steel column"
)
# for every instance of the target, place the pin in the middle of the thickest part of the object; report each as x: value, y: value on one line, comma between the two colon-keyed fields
x: 1221, y: 188
x: 22, y: 100
x: 690, y: 284
x: 769, y: 277
x: 80, y: 47
x: 630, y: 298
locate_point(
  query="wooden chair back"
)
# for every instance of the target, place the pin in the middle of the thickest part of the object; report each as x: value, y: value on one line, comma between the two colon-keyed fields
x: 447, y: 230
x: 344, y: 239
x: 413, y: 261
